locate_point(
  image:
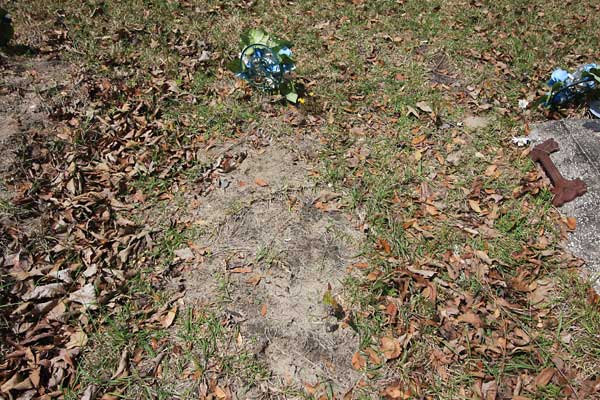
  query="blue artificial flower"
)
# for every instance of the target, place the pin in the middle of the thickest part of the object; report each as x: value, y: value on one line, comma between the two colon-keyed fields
x: 588, y: 67
x: 559, y: 75
x: 588, y: 81
x: 562, y: 97
x: 274, y: 68
x: 264, y: 68
x: 285, y: 51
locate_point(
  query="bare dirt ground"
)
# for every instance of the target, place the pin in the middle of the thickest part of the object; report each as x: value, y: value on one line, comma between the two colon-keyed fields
x: 29, y: 88
x: 279, y: 242
x: 24, y: 84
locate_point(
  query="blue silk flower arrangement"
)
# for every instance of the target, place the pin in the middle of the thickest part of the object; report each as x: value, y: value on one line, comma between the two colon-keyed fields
x: 566, y: 87
x: 265, y: 62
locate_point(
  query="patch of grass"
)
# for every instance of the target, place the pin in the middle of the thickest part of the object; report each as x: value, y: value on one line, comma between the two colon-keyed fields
x: 371, y: 61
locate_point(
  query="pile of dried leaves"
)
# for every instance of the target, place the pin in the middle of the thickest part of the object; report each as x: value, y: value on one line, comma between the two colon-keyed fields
x: 76, y: 178
x: 487, y: 331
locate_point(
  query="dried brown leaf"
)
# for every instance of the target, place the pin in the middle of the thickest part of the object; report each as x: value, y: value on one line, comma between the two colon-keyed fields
x: 122, y: 369
x: 390, y: 348
x: 358, y: 361
x: 49, y: 291
x: 77, y: 339
x: 544, y: 377
x: 261, y: 182
x: 85, y: 296
x: 474, y: 204
x: 167, y: 319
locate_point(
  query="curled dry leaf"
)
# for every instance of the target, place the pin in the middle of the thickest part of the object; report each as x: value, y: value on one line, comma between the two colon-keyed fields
x: 390, y: 348
x: 85, y: 296
x: 123, y: 365
x: 544, y: 377
x: 423, y: 106
x: 358, y: 361
x: 167, y: 319
x: 261, y: 182
x: 49, y: 291
x: 78, y: 339
x: 396, y: 392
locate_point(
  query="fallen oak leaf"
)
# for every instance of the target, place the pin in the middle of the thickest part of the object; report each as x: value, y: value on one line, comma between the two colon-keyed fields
x: 474, y: 204
x: 46, y: 291
x: 78, y: 339
x: 15, y: 383
x: 358, y: 361
x: 544, y: 377
x: 167, y: 319
x: 85, y: 296
x: 261, y: 182
x: 390, y: 348
x: 423, y: 272
x: 123, y: 365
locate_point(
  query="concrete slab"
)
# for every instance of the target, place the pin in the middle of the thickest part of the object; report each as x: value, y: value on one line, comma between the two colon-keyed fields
x: 579, y: 157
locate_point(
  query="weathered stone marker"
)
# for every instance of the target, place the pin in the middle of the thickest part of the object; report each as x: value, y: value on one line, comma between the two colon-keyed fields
x: 579, y: 157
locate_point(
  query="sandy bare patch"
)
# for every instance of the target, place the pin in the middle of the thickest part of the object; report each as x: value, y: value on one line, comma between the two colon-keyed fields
x: 267, y: 232
x: 27, y: 85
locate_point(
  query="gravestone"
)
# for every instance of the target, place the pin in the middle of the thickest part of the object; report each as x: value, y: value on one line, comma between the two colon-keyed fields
x: 579, y: 157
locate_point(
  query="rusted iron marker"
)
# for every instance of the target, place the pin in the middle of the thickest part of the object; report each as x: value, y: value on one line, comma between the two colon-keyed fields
x: 564, y: 190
